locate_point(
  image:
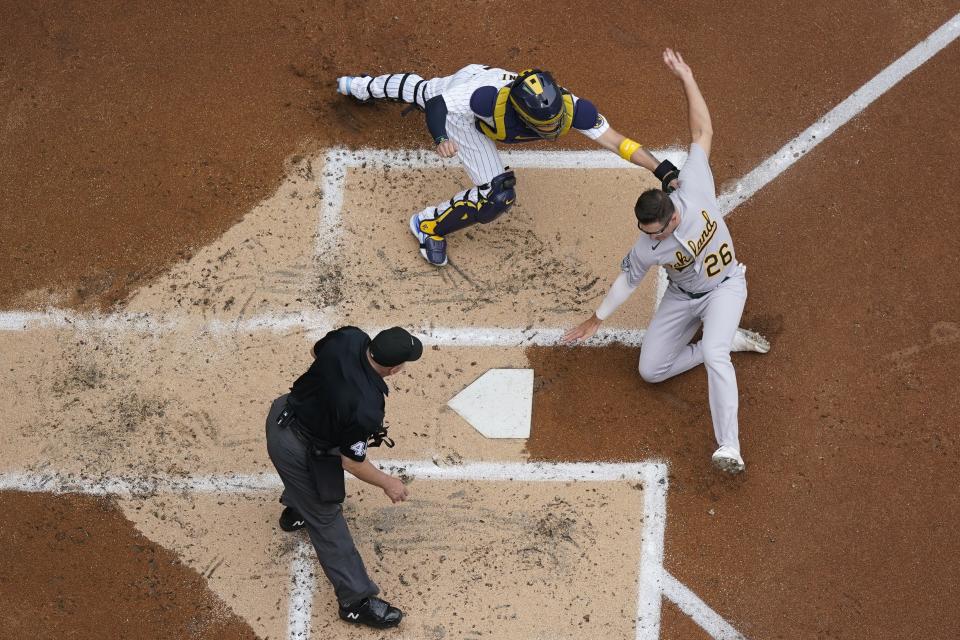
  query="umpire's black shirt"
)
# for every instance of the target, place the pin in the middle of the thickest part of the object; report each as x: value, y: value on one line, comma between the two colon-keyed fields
x: 340, y: 399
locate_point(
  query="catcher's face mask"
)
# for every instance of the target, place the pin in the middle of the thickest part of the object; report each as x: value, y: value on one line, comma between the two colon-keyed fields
x: 540, y: 104
x: 550, y: 130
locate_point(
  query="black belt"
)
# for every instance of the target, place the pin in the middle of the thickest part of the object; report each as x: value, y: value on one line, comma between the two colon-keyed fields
x: 288, y: 418
x: 697, y: 296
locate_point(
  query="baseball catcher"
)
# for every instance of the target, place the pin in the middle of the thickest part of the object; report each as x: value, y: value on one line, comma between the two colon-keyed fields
x: 468, y: 112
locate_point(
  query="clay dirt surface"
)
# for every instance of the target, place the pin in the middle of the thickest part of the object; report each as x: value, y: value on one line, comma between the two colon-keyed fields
x: 132, y: 138
x: 74, y: 567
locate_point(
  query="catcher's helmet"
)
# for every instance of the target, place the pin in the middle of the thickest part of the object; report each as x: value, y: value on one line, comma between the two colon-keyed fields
x: 539, y: 102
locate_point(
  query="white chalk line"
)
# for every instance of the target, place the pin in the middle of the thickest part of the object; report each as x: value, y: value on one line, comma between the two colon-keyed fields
x: 332, y: 181
x: 698, y: 610
x: 823, y: 128
x: 403, y: 159
x: 147, y: 323
x: 651, y: 580
x: 302, y: 588
x: 234, y: 483
x: 126, y: 486
x: 533, y: 336
x: 331, y: 188
x: 652, y: 534
x: 311, y: 324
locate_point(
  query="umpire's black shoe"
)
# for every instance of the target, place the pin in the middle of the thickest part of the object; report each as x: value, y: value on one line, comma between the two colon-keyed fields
x: 291, y: 520
x: 372, y: 612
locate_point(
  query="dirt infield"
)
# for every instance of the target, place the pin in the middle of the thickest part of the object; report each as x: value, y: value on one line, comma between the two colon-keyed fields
x: 69, y: 556
x: 167, y: 164
x: 176, y: 386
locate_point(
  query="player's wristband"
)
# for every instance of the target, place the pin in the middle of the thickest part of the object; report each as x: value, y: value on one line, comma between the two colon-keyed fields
x: 666, y: 173
x: 439, y: 140
x: 627, y: 147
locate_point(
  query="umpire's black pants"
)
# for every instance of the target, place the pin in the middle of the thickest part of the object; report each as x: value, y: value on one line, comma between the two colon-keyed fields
x: 324, y: 520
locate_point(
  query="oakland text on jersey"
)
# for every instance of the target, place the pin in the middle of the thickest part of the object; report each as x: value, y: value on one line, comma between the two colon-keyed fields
x: 683, y: 261
x: 705, y: 236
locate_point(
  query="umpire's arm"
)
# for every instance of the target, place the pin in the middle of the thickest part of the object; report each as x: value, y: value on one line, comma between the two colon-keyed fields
x: 364, y: 470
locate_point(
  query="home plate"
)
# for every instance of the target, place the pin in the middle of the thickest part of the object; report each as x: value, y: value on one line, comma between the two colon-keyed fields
x: 498, y: 404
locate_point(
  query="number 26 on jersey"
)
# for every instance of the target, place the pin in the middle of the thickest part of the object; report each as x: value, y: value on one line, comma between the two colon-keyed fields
x: 713, y: 261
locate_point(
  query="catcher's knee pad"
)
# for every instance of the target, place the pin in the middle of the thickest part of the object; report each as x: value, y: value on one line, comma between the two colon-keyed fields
x: 479, y: 204
x: 498, y: 199
x: 459, y: 213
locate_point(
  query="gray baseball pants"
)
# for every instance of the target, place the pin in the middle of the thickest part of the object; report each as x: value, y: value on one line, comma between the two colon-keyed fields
x: 667, y: 351
x: 338, y: 556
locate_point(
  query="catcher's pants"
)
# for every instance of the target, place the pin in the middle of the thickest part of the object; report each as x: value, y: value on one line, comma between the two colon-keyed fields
x: 667, y: 351
x: 328, y: 531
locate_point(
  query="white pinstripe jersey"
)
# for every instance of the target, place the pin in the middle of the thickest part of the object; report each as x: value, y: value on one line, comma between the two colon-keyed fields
x: 458, y: 88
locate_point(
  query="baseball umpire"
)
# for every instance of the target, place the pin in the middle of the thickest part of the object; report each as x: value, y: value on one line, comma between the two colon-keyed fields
x: 685, y: 234
x: 470, y: 111
x: 324, y: 426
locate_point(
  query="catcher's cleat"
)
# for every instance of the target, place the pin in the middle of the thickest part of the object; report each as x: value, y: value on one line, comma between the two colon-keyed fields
x: 432, y: 248
x: 728, y: 460
x: 372, y: 612
x: 345, y: 86
x: 291, y: 520
x: 744, y: 340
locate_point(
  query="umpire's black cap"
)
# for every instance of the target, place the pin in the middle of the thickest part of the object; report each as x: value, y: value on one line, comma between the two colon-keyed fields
x: 395, y: 346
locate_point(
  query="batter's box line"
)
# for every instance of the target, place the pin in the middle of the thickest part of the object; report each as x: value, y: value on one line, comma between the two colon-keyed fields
x: 338, y: 160
x: 653, y: 581
x: 313, y: 325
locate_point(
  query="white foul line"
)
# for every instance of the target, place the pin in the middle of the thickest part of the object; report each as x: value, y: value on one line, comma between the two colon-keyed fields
x: 697, y: 609
x: 839, y: 116
x: 302, y: 585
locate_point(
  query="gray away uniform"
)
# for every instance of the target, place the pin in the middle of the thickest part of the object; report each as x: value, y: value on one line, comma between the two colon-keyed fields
x: 706, y: 285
